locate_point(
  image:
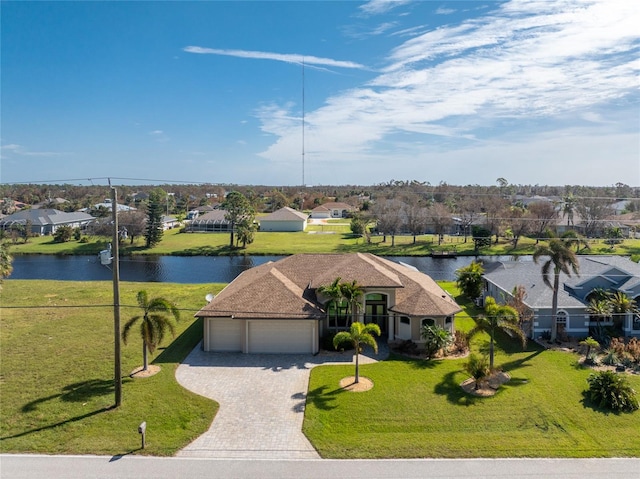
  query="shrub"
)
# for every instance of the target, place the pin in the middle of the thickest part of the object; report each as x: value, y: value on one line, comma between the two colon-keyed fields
x: 327, y: 343
x: 611, y: 391
x: 610, y: 358
x: 633, y: 348
x: 478, y: 367
x: 460, y: 342
x: 617, y: 346
x: 436, y: 339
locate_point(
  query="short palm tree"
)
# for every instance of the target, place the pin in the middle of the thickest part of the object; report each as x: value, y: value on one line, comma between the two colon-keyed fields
x: 333, y: 293
x: 621, y: 304
x: 498, y: 317
x: 158, y: 315
x: 359, y: 335
x: 561, y: 260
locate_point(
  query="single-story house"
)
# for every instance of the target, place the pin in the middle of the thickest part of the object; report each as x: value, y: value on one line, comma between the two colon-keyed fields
x: 275, y: 307
x: 169, y: 222
x: 211, y: 222
x: 331, y: 210
x: 45, y: 221
x: 611, y: 273
x: 284, y: 219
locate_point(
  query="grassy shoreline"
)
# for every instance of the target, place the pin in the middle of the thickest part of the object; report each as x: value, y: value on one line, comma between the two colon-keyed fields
x: 318, y: 239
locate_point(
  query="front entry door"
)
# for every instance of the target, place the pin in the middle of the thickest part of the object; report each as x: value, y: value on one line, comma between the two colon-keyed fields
x: 376, y: 312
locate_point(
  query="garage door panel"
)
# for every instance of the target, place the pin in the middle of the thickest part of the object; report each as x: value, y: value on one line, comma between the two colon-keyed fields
x: 225, y: 335
x: 281, y: 337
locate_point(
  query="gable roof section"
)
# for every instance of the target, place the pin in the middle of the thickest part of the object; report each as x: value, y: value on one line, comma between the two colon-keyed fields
x: 262, y: 292
x: 285, y: 289
x: 508, y: 274
x: 284, y: 214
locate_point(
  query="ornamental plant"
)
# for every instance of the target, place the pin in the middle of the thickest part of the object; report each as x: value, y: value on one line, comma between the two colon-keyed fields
x: 612, y: 391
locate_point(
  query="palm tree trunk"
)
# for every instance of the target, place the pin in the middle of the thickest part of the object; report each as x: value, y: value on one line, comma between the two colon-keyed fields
x: 554, y: 305
x: 357, y: 364
x: 491, y: 352
x: 145, y: 359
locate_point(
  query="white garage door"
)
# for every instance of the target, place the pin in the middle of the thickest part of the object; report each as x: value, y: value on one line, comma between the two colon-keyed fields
x: 281, y: 337
x: 225, y: 335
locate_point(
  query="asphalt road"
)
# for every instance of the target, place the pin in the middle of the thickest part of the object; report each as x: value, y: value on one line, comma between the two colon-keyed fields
x: 138, y: 467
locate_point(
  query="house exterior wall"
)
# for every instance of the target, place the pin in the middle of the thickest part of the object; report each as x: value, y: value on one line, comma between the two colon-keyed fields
x: 283, y: 226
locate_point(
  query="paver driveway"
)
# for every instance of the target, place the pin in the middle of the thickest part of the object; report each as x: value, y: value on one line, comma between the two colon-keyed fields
x: 262, y: 399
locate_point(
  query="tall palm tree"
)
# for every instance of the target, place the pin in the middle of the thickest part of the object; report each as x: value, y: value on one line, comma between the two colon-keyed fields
x: 498, y: 317
x: 568, y: 208
x: 561, y: 260
x: 359, y: 335
x: 352, y: 292
x: 572, y: 238
x: 158, y: 315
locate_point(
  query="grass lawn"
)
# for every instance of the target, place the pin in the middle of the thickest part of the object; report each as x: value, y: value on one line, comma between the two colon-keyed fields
x: 417, y: 409
x: 329, y: 238
x: 56, y: 371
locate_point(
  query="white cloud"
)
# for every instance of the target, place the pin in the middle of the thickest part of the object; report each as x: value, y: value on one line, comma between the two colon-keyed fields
x: 537, y: 66
x: 281, y: 57
x: 22, y: 151
x: 376, y: 7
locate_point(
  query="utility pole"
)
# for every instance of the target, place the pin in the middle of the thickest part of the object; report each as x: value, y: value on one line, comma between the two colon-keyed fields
x: 116, y: 298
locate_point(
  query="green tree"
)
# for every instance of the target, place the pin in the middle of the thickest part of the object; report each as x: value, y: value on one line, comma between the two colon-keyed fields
x: 158, y: 316
x: 621, y: 305
x: 358, y: 224
x: 352, y: 292
x: 155, y: 208
x: 469, y: 280
x: 590, y: 344
x: 237, y: 209
x: 496, y: 317
x: 333, y: 293
x: 245, y: 231
x: 561, y: 260
x: 63, y: 234
x: 359, y: 335
x: 481, y: 237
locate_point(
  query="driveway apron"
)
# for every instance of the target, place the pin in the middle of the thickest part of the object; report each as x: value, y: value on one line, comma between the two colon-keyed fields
x: 262, y: 399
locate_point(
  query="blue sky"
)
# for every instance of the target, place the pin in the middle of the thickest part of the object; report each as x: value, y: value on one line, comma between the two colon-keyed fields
x: 537, y: 92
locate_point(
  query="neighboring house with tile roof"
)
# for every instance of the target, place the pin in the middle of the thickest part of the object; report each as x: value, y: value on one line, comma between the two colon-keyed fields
x: 274, y: 308
x: 45, y: 221
x: 612, y: 273
x: 284, y: 219
x: 331, y: 209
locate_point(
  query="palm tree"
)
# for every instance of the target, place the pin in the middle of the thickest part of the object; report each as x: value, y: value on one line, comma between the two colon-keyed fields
x: 561, y: 259
x: 158, y: 316
x: 333, y: 293
x: 352, y: 292
x: 568, y: 208
x: 621, y: 304
x: 498, y: 317
x: 590, y: 344
x: 572, y: 238
x: 469, y: 279
x: 359, y: 334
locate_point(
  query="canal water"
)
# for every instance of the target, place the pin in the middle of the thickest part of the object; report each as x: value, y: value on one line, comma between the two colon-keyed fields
x: 195, y: 269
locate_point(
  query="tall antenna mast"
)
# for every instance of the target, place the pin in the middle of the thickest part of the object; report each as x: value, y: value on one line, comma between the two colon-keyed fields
x: 303, y: 183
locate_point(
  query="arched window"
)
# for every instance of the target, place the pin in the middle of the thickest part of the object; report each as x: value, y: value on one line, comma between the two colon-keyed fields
x: 427, y: 322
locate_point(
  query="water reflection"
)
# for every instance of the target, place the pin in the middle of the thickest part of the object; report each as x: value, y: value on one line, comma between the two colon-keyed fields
x: 196, y: 269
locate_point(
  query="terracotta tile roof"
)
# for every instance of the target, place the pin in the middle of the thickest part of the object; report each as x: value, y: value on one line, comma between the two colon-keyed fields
x: 286, y: 288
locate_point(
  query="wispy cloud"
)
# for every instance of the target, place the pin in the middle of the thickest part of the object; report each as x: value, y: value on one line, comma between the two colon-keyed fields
x: 281, y: 57
x: 22, y: 151
x: 377, y: 7
x: 159, y: 135
x: 541, y: 65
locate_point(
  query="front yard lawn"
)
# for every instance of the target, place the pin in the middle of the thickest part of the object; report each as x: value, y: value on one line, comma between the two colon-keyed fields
x: 56, y: 373
x: 417, y: 409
